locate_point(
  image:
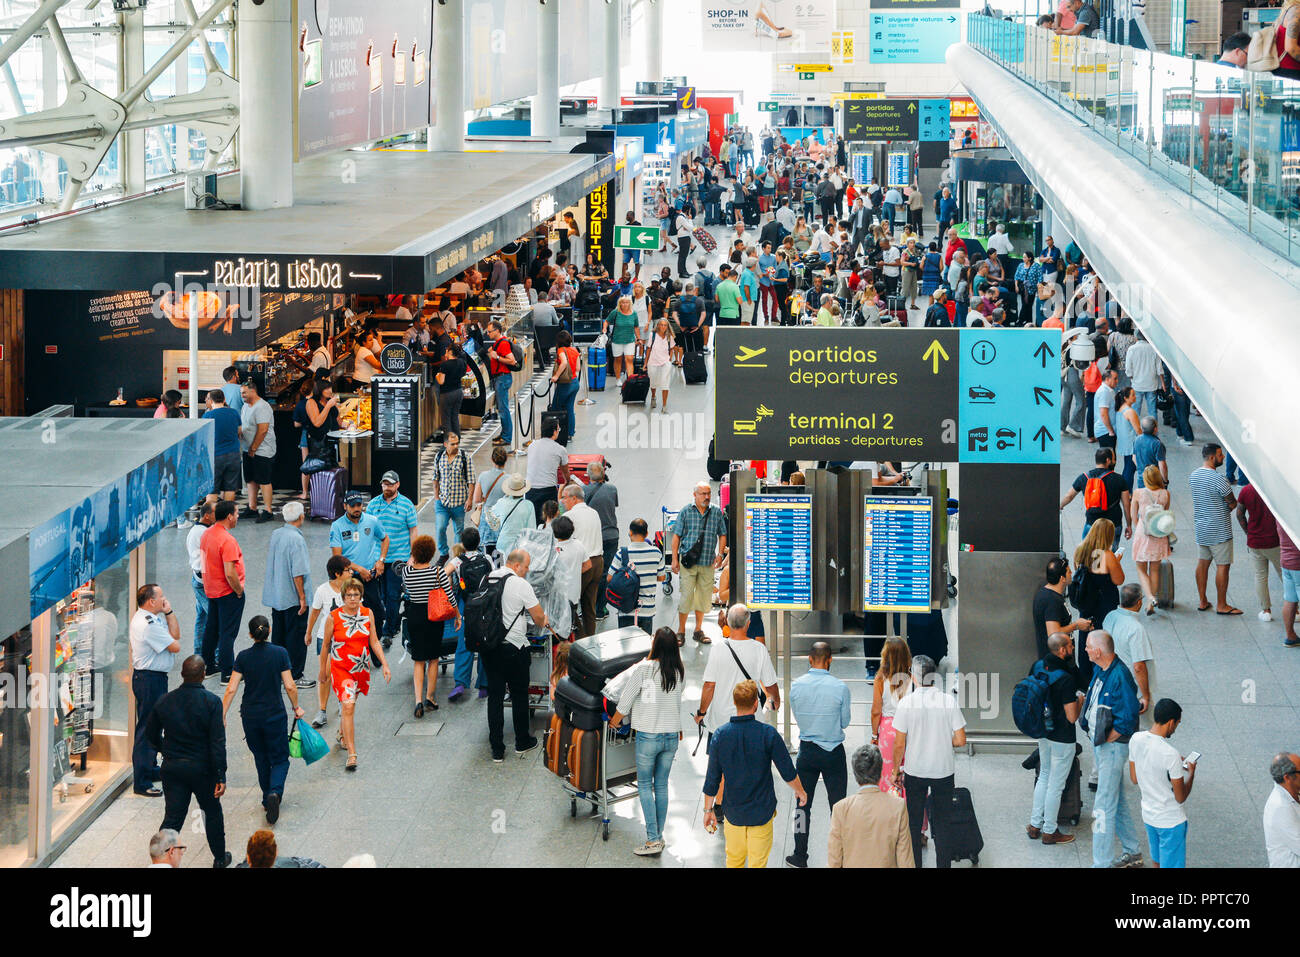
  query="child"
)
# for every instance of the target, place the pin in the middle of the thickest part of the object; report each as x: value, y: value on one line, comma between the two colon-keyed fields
x: 560, y: 667
x: 549, y: 511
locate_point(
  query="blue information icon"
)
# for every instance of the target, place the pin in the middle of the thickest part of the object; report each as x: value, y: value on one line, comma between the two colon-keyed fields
x: 1010, y: 384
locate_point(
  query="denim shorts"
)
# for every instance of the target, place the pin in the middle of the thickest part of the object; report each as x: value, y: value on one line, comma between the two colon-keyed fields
x: 1291, y: 584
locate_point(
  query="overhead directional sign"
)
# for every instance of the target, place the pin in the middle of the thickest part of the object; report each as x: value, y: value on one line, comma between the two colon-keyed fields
x: 912, y: 37
x: 1010, y: 386
x: 867, y: 121
x: 768, y: 106
x: 838, y: 394
x: 936, y: 121
x: 636, y: 237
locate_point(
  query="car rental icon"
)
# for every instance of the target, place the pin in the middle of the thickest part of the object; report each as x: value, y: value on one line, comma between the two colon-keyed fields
x: 979, y: 393
x: 1007, y: 438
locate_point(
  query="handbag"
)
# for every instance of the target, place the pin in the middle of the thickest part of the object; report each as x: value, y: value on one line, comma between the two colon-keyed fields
x: 476, y: 513
x: 311, y: 743
x: 441, y: 607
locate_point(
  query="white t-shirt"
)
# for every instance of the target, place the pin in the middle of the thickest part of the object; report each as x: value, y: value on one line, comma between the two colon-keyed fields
x: 362, y: 370
x: 725, y: 675
x: 821, y: 242
x: 1000, y: 243
x: 1282, y: 828
x: 320, y: 359
x: 517, y: 598
x: 1157, y: 762
x: 192, y: 547
x: 929, y: 718
x: 251, y: 416
x: 545, y: 456
x: 890, y: 258
x: 586, y: 528
x: 324, y: 600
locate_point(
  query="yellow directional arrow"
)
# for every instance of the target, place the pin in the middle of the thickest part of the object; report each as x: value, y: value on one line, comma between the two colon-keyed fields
x: 936, y: 353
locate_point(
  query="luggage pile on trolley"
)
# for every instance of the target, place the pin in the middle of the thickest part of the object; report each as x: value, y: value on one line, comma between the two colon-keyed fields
x: 595, y: 763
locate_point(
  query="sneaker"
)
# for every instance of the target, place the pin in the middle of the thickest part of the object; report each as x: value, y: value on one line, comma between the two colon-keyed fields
x: 1128, y: 860
x: 222, y: 862
x: 659, y: 846
x: 225, y: 680
x: 305, y: 683
x: 482, y: 693
x: 1184, y: 443
x: 1057, y: 838
x: 529, y: 745
x: 1291, y: 643
x: 319, y: 720
x: 498, y: 758
x: 263, y: 516
x: 648, y: 849
x: 793, y: 861
x: 1265, y: 616
x: 272, y: 808
x: 456, y: 693
x: 387, y: 642
x: 247, y: 512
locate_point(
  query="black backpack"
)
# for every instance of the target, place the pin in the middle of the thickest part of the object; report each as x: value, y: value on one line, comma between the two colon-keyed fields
x: 485, y: 628
x: 472, y: 570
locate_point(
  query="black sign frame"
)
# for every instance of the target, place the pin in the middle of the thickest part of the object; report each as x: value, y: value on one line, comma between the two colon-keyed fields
x: 903, y: 114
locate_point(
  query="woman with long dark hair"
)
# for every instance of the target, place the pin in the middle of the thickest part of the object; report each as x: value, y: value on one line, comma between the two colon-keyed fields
x: 420, y: 576
x: 264, y: 669
x: 652, y: 696
x: 450, y: 372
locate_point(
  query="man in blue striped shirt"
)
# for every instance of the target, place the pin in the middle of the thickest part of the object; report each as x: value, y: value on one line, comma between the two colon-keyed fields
x: 1212, y: 505
x: 648, y: 563
x: 820, y: 703
x: 396, y: 513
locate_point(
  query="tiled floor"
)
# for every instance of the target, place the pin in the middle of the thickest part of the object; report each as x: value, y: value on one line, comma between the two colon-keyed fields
x: 421, y: 800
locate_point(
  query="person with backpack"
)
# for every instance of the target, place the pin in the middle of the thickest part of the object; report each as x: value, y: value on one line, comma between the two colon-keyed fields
x: 1105, y: 494
x: 466, y: 572
x: 645, y: 562
x: 496, y: 629
x: 1053, y: 696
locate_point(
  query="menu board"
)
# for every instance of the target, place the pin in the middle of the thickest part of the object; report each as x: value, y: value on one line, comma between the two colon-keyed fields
x: 396, y: 407
x: 778, y: 552
x: 896, y: 553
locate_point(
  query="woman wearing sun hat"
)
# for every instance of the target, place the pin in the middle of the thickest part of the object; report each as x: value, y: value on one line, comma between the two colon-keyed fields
x: 513, y: 514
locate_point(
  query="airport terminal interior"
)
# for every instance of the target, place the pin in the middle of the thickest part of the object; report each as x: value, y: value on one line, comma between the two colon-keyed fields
x: 649, y: 433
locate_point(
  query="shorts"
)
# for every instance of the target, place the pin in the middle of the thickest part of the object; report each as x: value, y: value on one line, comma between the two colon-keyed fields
x: 302, y: 442
x: 697, y: 589
x: 1291, y: 584
x: 1168, y: 845
x: 257, y: 469
x: 1220, y: 554
x: 617, y: 349
x: 631, y: 255
x: 747, y: 312
x: 225, y: 473
x: 729, y: 320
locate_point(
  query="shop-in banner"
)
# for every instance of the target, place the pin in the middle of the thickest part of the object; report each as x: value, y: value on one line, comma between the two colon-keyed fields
x: 73, y: 547
x: 768, y: 26
x: 363, y: 71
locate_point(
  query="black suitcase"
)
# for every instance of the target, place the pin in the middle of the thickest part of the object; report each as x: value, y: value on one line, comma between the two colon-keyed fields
x: 636, y: 387
x: 717, y: 468
x: 557, y: 415
x: 578, y: 706
x: 638, y: 362
x: 694, y: 369
x: 962, y: 838
x: 594, y: 660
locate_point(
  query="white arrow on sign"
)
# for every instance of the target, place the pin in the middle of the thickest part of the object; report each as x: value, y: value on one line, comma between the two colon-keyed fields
x: 644, y: 237
x: 363, y: 275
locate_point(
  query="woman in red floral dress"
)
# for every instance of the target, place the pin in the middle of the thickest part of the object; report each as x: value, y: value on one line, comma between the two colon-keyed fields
x: 353, y: 640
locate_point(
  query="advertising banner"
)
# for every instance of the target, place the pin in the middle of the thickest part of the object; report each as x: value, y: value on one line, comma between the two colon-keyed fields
x: 768, y: 26
x: 73, y: 547
x: 600, y: 232
x: 363, y: 71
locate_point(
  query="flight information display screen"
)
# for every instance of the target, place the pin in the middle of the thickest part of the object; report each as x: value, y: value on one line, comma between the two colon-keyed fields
x: 896, y: 564
x: 778, y: 552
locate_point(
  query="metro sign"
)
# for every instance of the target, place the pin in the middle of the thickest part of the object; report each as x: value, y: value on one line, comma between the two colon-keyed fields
x: 637, y: 237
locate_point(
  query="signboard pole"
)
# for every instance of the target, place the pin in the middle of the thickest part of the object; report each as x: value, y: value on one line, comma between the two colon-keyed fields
x: 178, y: 290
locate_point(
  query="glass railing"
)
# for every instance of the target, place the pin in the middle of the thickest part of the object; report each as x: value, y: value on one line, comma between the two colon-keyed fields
x: 1227, y: 137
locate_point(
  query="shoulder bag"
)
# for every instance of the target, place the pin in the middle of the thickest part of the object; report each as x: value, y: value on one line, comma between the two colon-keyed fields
x: 762, y: 695
x: 476, y: 513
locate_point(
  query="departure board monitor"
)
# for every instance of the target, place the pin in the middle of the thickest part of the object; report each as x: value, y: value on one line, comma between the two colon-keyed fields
x: 896, y: 561
x: 778, y: 552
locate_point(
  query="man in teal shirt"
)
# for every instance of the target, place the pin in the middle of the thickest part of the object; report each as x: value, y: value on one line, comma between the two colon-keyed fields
x: 361, y: 539
x: 748, y: 292
x: 820, y: 703
x: 396, y: 513
x: 727, y: 295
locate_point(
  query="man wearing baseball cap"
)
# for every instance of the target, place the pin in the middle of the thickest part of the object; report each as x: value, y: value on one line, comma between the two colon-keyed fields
x: 396, y: 513
x: 362, y: 541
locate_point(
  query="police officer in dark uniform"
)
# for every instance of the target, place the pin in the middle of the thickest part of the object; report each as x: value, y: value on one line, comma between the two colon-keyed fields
x: 186, y: 725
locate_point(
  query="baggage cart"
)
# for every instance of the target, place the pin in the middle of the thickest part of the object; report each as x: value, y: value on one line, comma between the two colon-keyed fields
x: 617, y: 777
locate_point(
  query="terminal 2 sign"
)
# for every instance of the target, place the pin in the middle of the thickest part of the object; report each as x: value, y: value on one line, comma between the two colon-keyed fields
x: 945, y: 395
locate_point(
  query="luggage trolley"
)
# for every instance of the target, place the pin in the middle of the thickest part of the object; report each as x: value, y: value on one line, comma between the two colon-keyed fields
x: 617, y: 778
x: 667, y: 516
x: 541, y: 657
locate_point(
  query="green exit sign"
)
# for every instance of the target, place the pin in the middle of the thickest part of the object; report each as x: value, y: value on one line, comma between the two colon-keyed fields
x: 807, y: 76
x: 767, y: 106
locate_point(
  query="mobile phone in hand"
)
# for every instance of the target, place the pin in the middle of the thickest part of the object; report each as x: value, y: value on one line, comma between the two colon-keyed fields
x: 1192, y: 758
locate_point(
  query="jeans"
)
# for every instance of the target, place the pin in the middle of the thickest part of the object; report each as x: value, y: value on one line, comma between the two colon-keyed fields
x: 645, y: 622
x: 563, y: 398
x: 180, y: 780
x: 611, y: 549
x: 373, y: 598
x: 463, y: 669
x: 654, y: 759
x: 1055, y: 758
x: 940, y: 789
x: 391, y: 586
x: 887, y: 214
x: 200, y: 613
x: 1110, y: 810
x: 507, y: 667
x: 224, y: 615
x: 959, y: 320
x: 1145, y: 405
x: 501, y: 386
x: 442, y: 514
x: 148, y: 687
x: 1074, y: 404
x: 267, y: 736
x: 814, y: 762
x: 1230, y: 470
x: 449, y: 404
x: 1183, y: 416
x: 288, y: 630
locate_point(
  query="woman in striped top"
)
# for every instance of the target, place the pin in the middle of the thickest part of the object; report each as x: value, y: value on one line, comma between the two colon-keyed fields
x: 424, y: 637
x: 653, y: 698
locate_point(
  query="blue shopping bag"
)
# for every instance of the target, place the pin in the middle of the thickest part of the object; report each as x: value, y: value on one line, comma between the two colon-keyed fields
x: 312, y: 745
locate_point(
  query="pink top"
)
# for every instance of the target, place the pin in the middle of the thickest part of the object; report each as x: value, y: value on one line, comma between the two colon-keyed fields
x: 1068, y: 19
x: 160, y: 412
x: 659, y: 352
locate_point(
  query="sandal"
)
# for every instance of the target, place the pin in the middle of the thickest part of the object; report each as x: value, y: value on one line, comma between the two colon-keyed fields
x: 419, y: 709
x: 702, y: 638
x: 430, y: 704
x: 1230, y: 611
x: 352, y: 763
x: 681, y: 638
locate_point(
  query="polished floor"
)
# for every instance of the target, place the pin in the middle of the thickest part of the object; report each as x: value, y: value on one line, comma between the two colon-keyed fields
x: 427, y: 794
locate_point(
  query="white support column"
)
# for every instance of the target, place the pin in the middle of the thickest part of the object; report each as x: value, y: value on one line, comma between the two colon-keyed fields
x: 546, y: 103
x: 266, y: 89
x: 608, y: 96
x: 653, y: 11
x: 132, y: 162
x: 449, y: 56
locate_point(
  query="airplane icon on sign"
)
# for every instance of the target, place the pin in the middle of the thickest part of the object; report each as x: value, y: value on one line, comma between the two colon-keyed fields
x: 745, y: 355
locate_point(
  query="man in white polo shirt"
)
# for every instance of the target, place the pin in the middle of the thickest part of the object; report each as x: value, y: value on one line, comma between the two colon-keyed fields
x: 507, y: 665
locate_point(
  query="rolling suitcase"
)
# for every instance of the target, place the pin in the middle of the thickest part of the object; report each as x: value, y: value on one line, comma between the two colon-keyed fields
x: 705, y: 239
x: 557, y: 415
x: 578, y: 466
x: 694, y: 369
x: 1165, y: 594
x: 596, y: 370
x: 638, y: 362
x: 962, y: 838
x: 558, y: 738
x: 583, y: 759
x: 636, y: 388
x: 579, y: 706
x: 594, y: 660
x: 327, y: 488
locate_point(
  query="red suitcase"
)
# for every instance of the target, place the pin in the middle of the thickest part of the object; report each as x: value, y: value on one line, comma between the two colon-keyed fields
x: 578, y: 466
